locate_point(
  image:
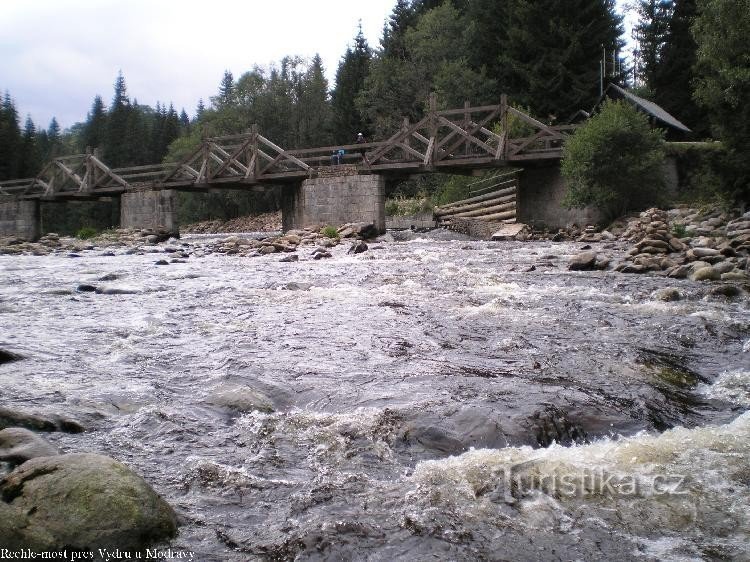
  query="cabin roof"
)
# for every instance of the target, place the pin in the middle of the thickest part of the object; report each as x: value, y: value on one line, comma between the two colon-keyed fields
x: 656, y: 111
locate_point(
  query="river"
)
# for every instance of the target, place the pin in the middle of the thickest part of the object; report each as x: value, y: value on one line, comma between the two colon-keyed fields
x: 428, y: 399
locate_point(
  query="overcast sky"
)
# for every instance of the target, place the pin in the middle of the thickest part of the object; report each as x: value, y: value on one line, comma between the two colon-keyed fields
x: 56, y: 55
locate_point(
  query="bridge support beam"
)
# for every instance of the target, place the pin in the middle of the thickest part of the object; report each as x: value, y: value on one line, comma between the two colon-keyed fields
x: 540, y: 198
x: 335, y: 201
x: 20, y: 219
x: 156, y: 210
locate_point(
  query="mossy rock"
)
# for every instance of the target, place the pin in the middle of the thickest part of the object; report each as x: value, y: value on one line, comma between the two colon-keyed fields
x: 84, y: 501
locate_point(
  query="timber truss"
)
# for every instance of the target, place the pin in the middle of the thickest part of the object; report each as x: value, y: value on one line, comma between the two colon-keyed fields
x: 452, y: 140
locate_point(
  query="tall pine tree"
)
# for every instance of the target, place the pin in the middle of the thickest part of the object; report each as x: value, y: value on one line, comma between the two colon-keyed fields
x: 551, y: 52
x: 673, y: 77
x: 10, y: 139
x: 350, y: 80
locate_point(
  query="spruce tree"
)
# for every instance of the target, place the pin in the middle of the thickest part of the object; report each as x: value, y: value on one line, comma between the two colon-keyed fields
x: 402, y: 17
x: 651, y: 35
x: 225, y: 97
x: 116, y: 151
x: 673, y: 77
x: 95, y: 128
x: 550, y: 56
x: 10, y: 139
x: 350, y: 80
x: 31, y: 160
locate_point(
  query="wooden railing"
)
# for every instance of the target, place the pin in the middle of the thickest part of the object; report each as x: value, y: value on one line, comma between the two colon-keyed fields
x: 465, y: 138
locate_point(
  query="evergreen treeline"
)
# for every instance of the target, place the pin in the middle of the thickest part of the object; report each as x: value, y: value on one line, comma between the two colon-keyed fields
x: 548, y: 56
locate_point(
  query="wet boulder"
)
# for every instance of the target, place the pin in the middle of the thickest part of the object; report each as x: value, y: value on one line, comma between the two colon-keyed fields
x: 240, y: 399
x: 707, y: 273
x: 357, y: 248
x: 584, y: 261
x: 14, y: 418
x: 8, y: 356
x: 18, y: 445
x: 82, y: 502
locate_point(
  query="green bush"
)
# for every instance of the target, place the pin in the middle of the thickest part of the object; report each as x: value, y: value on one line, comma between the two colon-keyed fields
x: 329, y: 232
x: 614, y: 161
x: 86, y: 232
x: 403, y: 206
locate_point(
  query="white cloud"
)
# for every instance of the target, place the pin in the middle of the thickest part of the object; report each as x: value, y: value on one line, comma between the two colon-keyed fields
x: 56, y: 56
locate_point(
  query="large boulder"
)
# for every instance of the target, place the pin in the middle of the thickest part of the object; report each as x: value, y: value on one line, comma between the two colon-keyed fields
x: 82, y: 502
x: 14, y: 418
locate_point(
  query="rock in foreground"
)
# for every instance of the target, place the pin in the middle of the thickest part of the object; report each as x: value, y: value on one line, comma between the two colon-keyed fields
x: 81, y: 502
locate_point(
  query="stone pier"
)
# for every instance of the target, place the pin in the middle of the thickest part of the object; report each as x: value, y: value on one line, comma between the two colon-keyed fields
x: 20, y: 219
x: 540, y: 197
x: 150, y: 209
x: 335, y: 201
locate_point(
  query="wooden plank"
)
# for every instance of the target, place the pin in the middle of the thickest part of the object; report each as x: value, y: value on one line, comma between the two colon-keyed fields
x: 480, y: 198
x: 474, y: 206
x: 480, y: 109
x: 286, y: 155
x: 428, y: 154
x: 534, y: 122
x: 483, y: 211
x: 469, y: 137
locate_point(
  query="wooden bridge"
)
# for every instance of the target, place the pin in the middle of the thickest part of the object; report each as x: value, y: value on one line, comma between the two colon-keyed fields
x: 451, y: 141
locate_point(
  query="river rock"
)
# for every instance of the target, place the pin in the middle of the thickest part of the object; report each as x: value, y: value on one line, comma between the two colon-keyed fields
x: 241, y: 399
x: 85, y: 288
x: 84, y: 502
x: 583, y: 261
x: 357, y: 248
x: 735, y: 275
x: 364, y: 230
x: 726, y: 290
x: 667, y: 294
x: 705, y: 274
x: 289, y: 258
x: 17, y: 445
x: 12, y: 418
x: 8, y: 357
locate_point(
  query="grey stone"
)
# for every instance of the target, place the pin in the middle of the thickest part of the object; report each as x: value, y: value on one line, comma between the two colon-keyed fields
x: 583, y: 261
x: 84, y: 502
x: 667, y: 294
x: 18, y: 445
x: 705, y: 274
x: 289, y: 258
x: 241, y: 399
x: 357, y: 248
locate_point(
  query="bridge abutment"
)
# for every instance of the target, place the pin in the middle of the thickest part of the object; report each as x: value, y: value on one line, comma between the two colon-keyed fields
x: 335, y: 201
x: 540, y: 201
x: 150, y: 209
x: 20, y: 219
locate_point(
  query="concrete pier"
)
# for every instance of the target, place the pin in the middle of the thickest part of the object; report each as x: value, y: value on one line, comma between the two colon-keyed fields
x: 335, y: 201
x: 149, y: 209
x: 20, y: 219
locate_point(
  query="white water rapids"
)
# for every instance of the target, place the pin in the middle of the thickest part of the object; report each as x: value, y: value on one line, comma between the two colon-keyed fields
x: 427, y: 399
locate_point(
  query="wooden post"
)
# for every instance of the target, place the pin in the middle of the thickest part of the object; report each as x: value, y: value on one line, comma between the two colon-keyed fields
x: 467, y: 121
x: 255, y: 160
x: 404, y: 128
x: 89, y: 179
x: 432, y: 148
x: 504, y: 120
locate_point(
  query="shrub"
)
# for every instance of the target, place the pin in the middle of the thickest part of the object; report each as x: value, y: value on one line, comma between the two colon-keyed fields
x: 329, y: 232
x: 614, y: 161
x: 86, y: 232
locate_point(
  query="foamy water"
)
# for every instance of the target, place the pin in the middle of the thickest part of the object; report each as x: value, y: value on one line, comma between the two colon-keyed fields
x: 428, y: 399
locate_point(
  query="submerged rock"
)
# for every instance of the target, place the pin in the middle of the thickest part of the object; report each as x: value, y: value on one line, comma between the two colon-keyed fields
x: 82, y: 502
x: 12, y: 418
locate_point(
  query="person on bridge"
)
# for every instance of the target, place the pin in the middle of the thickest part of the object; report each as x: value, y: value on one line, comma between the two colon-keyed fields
x: 362, y: 140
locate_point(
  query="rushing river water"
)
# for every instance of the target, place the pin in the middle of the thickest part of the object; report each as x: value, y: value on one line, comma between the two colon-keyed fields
x: 425, y: 400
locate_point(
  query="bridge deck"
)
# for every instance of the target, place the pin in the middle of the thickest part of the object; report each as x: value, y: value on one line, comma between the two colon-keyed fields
x: 453, y: 140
